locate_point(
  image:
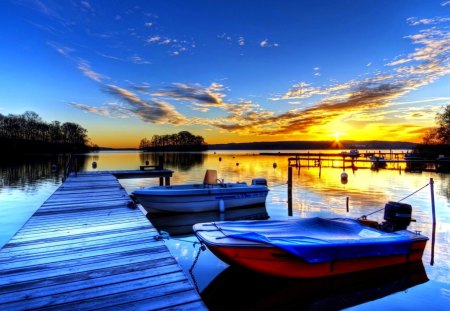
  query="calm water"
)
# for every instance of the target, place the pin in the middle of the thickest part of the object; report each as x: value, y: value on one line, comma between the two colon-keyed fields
x: 26, y: 184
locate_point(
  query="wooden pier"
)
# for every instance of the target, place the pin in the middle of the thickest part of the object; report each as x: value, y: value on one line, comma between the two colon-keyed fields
x: 85, y: 249
x: 361, y: 160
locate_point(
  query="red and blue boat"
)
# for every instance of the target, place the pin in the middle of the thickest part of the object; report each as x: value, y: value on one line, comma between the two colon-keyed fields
x: 315, y: 247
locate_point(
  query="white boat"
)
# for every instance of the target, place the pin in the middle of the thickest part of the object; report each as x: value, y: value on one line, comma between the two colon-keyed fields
x: 354, y: 153
x: 212, y: 195
x: 378, y: 162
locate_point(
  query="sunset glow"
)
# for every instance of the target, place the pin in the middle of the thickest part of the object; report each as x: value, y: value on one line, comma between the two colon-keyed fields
x: 230, y: 71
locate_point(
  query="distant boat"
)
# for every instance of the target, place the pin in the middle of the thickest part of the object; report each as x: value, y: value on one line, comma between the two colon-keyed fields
x: 378, y: 162
x: 414, y: 163
x: 443, y: 164
x: 315, y: 247
x: 352, y: 153
x: 212, y: 195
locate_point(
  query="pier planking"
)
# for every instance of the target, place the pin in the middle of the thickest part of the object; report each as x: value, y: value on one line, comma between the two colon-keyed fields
x: 84, y: 249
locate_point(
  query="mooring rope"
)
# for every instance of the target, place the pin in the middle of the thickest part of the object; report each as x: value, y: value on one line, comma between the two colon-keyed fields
x: 163, y: 235
x: 414, y: 192
x: 365, y: 216
x: 200, y: 250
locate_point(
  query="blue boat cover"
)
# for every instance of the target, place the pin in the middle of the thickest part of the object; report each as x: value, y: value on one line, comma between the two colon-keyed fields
x: 320, y: 239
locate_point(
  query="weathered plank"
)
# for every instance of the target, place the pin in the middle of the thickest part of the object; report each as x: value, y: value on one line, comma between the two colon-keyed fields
x: 124, y: 274
x: 84, y: 248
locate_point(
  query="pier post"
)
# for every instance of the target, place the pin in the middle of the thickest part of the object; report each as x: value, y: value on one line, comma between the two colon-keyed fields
x: 289, y: 186
x: 160, y: 162
x: 320, y: 167
x: 434, y: 221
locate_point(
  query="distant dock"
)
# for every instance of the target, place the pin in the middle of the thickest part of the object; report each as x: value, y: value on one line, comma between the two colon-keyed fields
x: 348, y: 160
x: 85, y: 249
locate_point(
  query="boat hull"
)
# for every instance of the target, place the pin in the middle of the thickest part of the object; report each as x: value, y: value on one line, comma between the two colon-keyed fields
x: 310, y: 247
x: 181, y: 199
x: 276, y: 262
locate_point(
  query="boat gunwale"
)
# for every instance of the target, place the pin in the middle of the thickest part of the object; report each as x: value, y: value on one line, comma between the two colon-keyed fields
x: 167, y: 192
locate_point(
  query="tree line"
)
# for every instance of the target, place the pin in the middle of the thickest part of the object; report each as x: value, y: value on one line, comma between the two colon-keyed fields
x: 28, y: 133
x: 182, y: 141
x: 437, y: 139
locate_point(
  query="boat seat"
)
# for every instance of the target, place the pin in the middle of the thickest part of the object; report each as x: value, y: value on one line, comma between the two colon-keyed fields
x: 210, y: 177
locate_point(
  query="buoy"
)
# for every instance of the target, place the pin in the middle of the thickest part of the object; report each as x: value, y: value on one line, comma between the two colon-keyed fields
x: 94, y: 164
x: 344, y: 178
x: 221, y: 206
x: 274, y: 165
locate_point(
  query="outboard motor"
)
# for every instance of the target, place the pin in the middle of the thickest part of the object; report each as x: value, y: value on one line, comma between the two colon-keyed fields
x: 259, y: 181
x: 397, y: 216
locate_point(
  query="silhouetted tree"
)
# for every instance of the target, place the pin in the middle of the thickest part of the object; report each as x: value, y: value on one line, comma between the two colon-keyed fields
x: 29, y: 133
x: 441, y: 133
x: 183, y: 141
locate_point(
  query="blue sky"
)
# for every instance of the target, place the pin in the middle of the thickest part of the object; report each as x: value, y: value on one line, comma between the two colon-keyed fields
x: 230, y: 71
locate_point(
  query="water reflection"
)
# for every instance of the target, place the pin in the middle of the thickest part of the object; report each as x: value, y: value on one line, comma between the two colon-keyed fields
x: 239, y: 289
x: 25, y: 183
x: 182, y: 161
x: 181, y: 223
x: 25, y: 172
x: 315, y: 193
x: 129, y: 160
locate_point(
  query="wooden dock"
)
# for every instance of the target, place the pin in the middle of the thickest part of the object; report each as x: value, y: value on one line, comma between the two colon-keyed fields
x: 85, y: 249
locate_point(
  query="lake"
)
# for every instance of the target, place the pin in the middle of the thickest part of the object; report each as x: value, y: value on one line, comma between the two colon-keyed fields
x: 317, y: 191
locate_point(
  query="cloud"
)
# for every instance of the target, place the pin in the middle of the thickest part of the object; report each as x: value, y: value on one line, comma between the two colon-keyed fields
x: 224, y: 36
x: 143, y: 87
x: 427, y: 21
x: 86, y: 6
x: 136, y: 59
x: 267, y: 44
x: 241, y: 41
x: 153, y: 39
x: 175, y: 47
x: 368, y: 100
x: 201, y: 96
x: 361, y: 100
x: 85, y: 68
x: 63, y: 50
x: 429, y: 61
x: 445, y: 3
x: 111, y: 110
x: 316, y: 71
x: 264, y: 43
x: 153, y: 111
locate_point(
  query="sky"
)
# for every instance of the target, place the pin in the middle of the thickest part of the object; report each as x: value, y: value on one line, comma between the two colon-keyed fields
x: 228, y: 70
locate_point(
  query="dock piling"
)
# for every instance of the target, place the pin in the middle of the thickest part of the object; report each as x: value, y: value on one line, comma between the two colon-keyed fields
x: 289, y: 186
x: 434, y: 221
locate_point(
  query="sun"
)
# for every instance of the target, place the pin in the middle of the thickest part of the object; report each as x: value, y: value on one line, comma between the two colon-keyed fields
x: 336, y: 136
